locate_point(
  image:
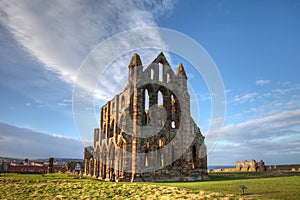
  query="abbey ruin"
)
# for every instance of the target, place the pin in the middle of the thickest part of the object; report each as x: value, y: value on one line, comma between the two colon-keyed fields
x: 146, y: 132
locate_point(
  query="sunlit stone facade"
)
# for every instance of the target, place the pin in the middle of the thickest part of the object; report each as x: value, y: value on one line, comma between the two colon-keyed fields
x: 146, y: 132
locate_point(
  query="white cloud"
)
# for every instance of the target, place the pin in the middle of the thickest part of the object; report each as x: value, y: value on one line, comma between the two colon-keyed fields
x: 286, y: 90
x: 284, y: 83
x: 268, y: 137
x: 65, y: 102
x: 268, y: 127
x: 264, y: 127
x: 245, y: 98
x: 20, y: 143
x: 60, y: 34
x: 262, y: 82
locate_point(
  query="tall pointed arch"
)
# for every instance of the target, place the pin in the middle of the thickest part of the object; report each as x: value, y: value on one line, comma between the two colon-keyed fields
x: 160, y: 71
x: 160, y: 99
x: 147, y: 99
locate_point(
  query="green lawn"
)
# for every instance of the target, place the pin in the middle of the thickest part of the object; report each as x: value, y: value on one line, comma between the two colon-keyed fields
x: 260, y: 188
x: 221, y: 186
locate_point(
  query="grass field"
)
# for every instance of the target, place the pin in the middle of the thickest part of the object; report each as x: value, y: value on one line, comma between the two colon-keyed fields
x: 221, y: 186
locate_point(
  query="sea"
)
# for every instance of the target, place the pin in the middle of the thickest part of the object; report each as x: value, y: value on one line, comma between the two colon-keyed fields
x: 210, y: 167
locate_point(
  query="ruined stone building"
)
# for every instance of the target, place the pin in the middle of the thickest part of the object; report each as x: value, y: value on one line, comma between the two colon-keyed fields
x: 251, y: 166
x: 146, y: 132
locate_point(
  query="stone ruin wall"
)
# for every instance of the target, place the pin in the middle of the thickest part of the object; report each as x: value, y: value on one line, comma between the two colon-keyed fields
x: 251, y: 166
x: 260, y: 166
x: 114, y: 152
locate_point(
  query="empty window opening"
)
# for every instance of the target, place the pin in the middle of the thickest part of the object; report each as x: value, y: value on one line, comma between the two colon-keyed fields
x: 172, y: 99
x: 160, y: 70
x: 160, y: 98
x: 160, y: 146
x: 152, y: 74
x: 194, y: 157
x: 146, y: 117
x: 146, y: 100
x: 160, y: 143
x: 173, y: 125
x: 172, y: 105
x: 168, y: 78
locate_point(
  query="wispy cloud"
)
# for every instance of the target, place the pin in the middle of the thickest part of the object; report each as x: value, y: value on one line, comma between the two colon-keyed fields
x: 268, y: 127
x: 22, y: 143
x: 245, y: 97
x: 260, y: 103
x: 286, y: 90
x: 262, y: 125
x: 60, y: 34
x: 262, y: 138
x: 65, y: 102
x: 262, y: 82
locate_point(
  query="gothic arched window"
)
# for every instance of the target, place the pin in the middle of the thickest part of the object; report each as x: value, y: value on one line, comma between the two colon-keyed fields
x: 152, y: 74
x: 146, y: 100
x: 160, y: 70
x: 168, y: 78
x: 173, y: 125
x: 160, y: 146
x: 194, y: 156
x: 160, y: 100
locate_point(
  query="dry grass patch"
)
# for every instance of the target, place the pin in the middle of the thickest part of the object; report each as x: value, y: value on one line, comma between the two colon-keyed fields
x: 62, y: 186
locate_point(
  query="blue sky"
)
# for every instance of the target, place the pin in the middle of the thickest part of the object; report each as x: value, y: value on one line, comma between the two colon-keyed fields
x: 255, y: 45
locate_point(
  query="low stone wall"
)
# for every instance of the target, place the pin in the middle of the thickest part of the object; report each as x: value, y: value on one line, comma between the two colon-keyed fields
x: 292, y: 168
x: 223, y: 170
x: 254, y: 168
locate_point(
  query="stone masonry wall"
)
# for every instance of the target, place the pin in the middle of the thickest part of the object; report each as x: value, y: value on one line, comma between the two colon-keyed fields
x: 146, y: 132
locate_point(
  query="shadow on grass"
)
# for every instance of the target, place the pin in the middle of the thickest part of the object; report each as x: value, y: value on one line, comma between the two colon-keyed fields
x: 229, y: 176
x: 223, y: 176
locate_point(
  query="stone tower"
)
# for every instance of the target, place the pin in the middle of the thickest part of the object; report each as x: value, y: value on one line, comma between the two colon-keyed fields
x: 146, y: 132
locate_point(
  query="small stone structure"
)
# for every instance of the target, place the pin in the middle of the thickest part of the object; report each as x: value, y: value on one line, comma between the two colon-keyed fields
x: 74, y: 166
x: 88, y: 159
x: 128, y: 147
x: 251, y: 166
x: 4, y: 165
x: 260, y: 166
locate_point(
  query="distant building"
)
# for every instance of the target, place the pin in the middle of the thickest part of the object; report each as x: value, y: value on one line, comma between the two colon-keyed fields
x: 26, y: 166
x: 34, y: 169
